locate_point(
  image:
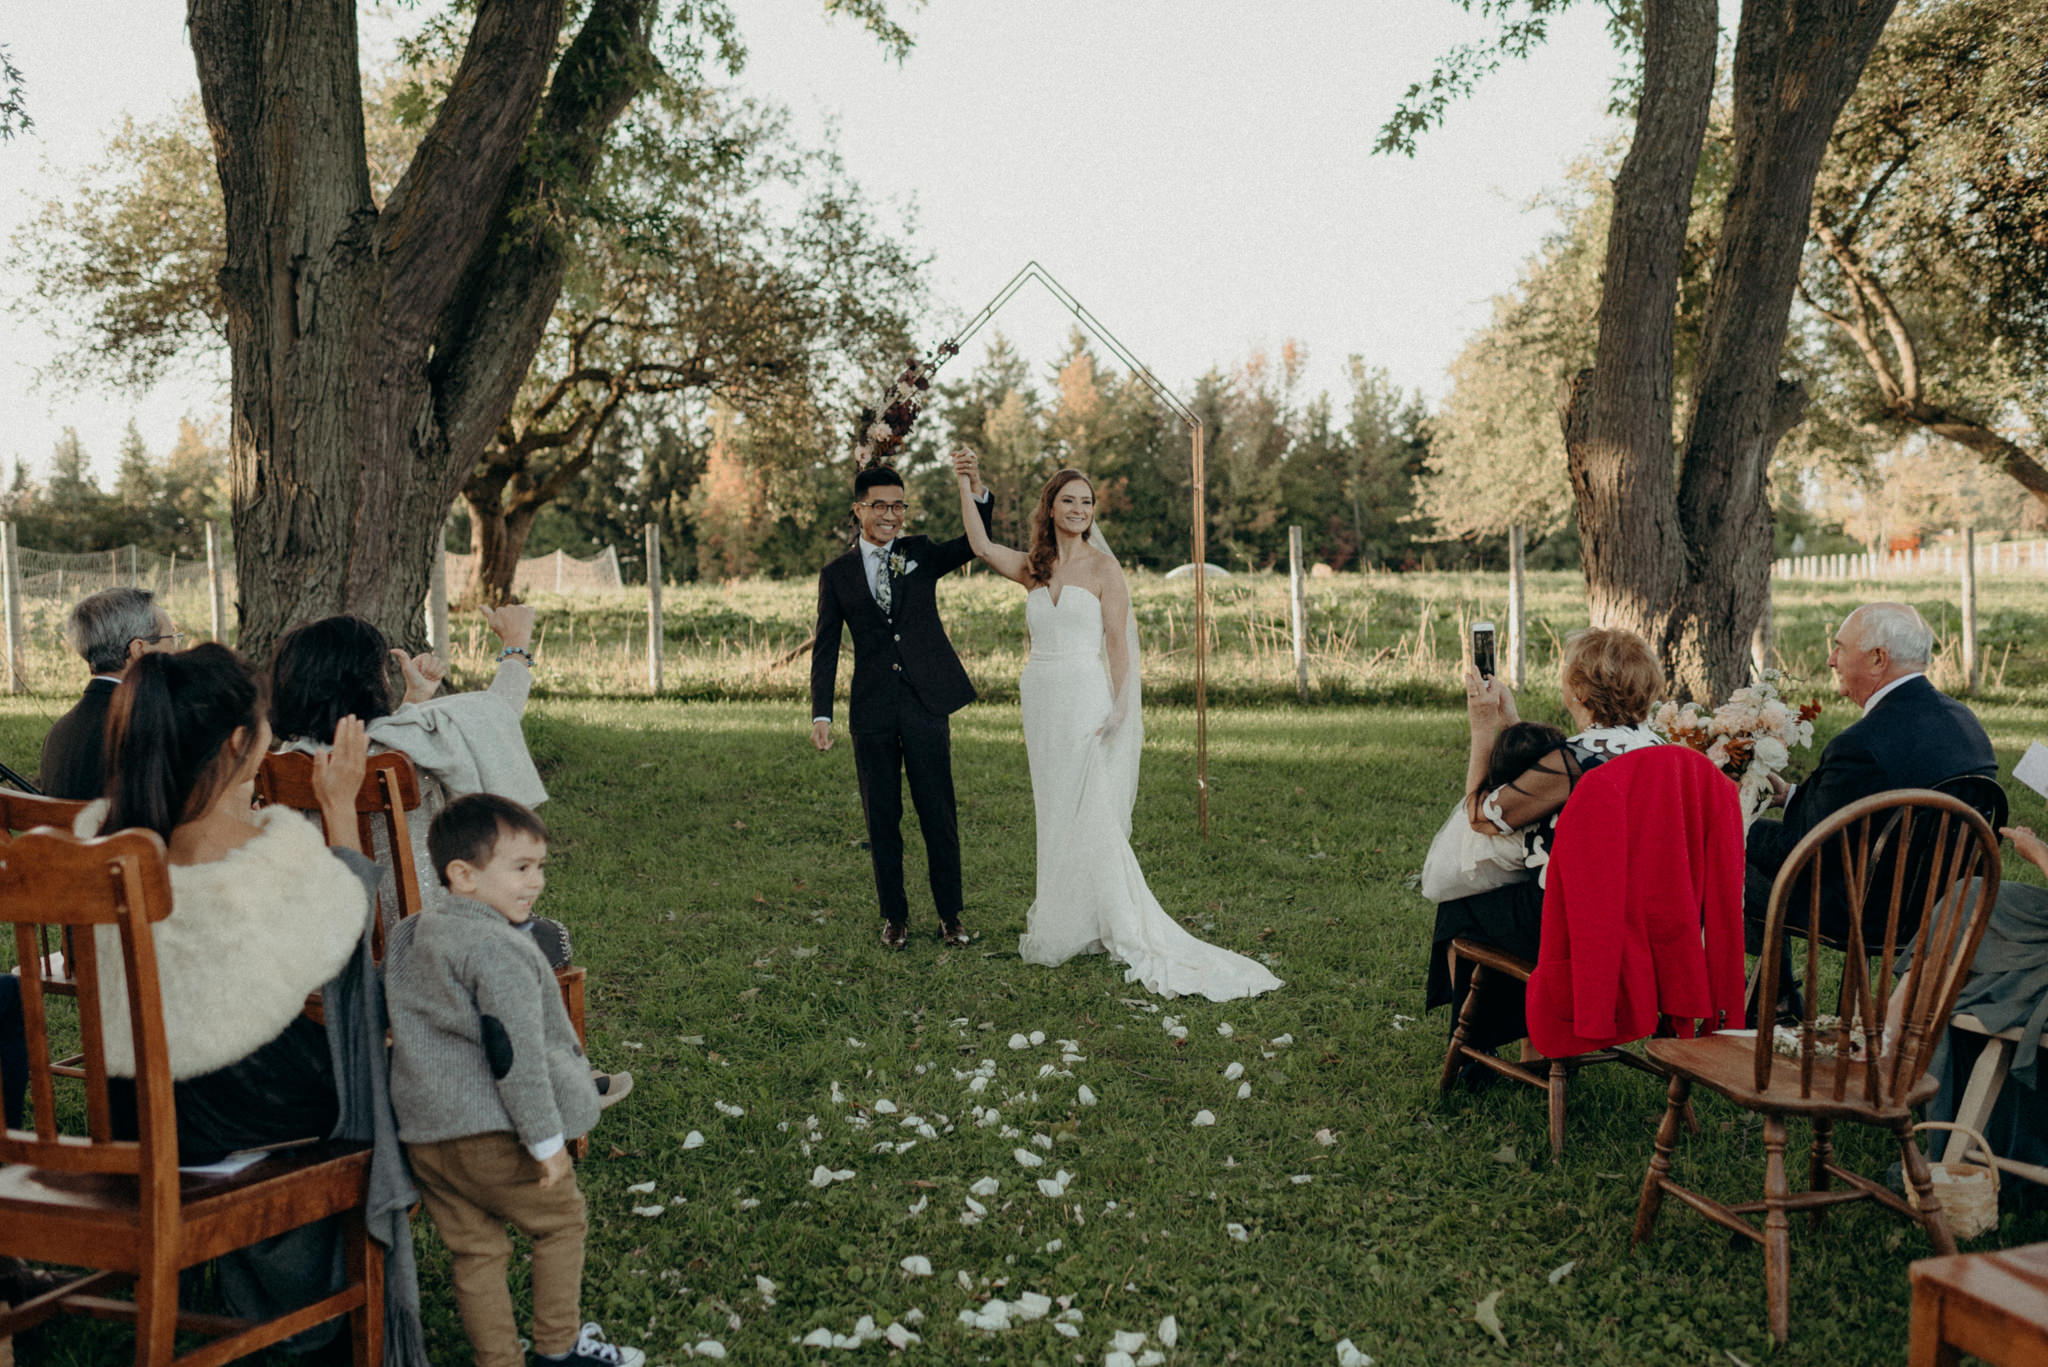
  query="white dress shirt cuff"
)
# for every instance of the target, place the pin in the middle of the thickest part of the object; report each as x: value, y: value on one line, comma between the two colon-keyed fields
x: 546, y: 1149
x: 816, y: 720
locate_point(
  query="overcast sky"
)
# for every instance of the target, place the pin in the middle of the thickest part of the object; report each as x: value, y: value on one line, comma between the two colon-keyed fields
x: 1198, y: 172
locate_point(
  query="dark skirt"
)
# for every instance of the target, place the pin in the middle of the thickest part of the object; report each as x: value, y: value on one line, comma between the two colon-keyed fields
x: 282, y: 1092
x: 1509, y: 919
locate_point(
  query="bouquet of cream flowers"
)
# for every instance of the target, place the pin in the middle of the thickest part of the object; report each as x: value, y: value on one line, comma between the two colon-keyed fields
x: 1751, y: 736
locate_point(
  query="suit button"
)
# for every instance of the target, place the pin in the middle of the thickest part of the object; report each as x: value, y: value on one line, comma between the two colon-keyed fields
x: 896, y: 667
x: 899, y: 638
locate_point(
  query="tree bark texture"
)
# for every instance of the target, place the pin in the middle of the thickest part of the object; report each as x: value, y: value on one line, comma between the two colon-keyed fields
x: 375, y: 351
x: 1680, y: 549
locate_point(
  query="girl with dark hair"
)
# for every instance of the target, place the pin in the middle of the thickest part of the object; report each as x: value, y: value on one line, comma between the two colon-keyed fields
x: 237, y: 958
x: 462, y: 743
x: 1083, y: 734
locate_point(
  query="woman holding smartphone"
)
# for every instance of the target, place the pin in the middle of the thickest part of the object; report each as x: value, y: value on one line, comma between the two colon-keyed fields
x: 1610, y: 680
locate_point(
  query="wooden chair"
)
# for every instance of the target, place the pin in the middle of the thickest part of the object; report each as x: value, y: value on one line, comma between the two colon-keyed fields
x: 121, y: 1207
x: 1993, y: 1306
x: 1876, y: 1087
x: 390, y: 790
x: 1980, y: 1094
x: 1572, y: 845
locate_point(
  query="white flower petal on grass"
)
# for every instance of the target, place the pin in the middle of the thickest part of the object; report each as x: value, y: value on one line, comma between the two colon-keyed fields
x: 1348, y: 1355
x: 642, y: 1188
x: 977, y: 1083
x: 845, y: 1341
x: 917, y: 1206
x: 733, y: 1112
x: 633, y: 1044
x: 987, y: 1186
x: 1204, y: 1118
x: 1028, y: 1159
x: 1301, y: 1179
x: 1084, y: 1096
x: 710, y: 1348
x: 977, y: 1207
x: 822, y: 1176
x: 1151, y: 1357
x: 853, y: 1043
x: 1043, y: 1141
x: 1127, y: 1340
x: 917, y: 1266
x: 818, y: 1338
x: 864, y: 1329
x: 1032, y: 1306
x: 1178, y: 1032
x: 649, y: 1211
x: 1018, y: 1041
x: 763, y: 1285
x: 1117, y: 1357
x: 1226, y: 1029
x: 884, y: 1106
x: 1037, y: 1037
x: 749, y: 1202
x: 1238, y: 1232
x: 1169, y: 1331
x: 1326, y: 1137
x: 1053, y: 1245
x: 693, y: 1140
x: 913, y: 1317
x: 1071, y: 1331
x: 899, y: 1337
x: 1051, y: 1188
x: 1233, y: 1072
x: 1281, y: 1040
x: 1244, y: 1091
x: 1558, y: 1274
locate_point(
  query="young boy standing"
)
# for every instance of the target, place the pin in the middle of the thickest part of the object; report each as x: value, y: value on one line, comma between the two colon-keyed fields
x: 490, y: 1085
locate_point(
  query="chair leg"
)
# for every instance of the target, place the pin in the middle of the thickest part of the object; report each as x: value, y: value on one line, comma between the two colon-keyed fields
x: 1557, y: 1080
x: 1660, y: 1161
x: 1932, y: 1217
x: 156, y: 1316
x: 1817, y: 1178
x: 1777, y: 1230
x: 365, y: 1262
x: 1463, y: 1027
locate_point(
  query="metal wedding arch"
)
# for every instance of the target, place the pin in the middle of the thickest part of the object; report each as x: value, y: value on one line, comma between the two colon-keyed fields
x: 1033, y: 271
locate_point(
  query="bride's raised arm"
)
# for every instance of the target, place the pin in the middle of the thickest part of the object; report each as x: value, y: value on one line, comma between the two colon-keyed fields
x: 1010, y: 564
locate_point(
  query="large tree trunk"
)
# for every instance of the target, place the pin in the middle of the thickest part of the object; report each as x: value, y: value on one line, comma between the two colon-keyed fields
x: 497, y: 539
x: 1686, y: 560
x: 374, y: 352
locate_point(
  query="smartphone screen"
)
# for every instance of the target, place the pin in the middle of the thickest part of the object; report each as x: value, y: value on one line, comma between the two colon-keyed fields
x: 1482, y: 648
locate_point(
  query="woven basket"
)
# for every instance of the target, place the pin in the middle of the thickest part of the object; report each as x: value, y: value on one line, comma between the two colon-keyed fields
x: 1968, y: 1191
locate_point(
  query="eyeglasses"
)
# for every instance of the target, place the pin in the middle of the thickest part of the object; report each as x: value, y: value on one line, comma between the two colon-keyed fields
x: 887, y: 509
x: 174, y: 637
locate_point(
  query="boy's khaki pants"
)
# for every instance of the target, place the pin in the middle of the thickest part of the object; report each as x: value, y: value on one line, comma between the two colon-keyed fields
x: 474, y: 1187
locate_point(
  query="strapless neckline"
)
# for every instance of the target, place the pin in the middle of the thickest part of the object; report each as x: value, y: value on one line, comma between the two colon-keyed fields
x: 1046, y: 589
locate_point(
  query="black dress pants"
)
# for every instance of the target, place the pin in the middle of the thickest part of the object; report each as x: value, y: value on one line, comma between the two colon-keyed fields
x: 904, y: 739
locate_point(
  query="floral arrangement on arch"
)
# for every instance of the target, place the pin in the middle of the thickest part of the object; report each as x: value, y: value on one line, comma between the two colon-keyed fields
x: 878, y: 433
x: 1751, y: 736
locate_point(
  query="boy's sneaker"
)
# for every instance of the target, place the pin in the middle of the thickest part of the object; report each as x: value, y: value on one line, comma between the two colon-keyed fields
x: 591, y: 1348
x: 611, y: 1088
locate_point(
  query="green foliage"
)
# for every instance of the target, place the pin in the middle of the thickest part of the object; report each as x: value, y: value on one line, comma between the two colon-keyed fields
x: 14, y: 116
x: 160, y: 505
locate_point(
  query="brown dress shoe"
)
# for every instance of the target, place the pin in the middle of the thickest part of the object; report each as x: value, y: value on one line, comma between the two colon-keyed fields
x: 953, y: 934
x: 895, y: 935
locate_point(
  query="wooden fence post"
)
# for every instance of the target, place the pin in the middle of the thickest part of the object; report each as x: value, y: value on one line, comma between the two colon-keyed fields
x: 1969, y: 609
x: 653, y: 608
x: 1518, y: 569
x: 1298, y: 610
x: 10, y: 586
x: 216, y: 588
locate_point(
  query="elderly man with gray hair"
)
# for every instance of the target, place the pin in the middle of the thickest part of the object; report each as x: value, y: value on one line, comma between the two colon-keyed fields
x: 108, y: 630
x: 1911, y: 735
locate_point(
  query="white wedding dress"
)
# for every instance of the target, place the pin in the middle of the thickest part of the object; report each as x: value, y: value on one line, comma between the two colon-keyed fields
x: 1092, y: 896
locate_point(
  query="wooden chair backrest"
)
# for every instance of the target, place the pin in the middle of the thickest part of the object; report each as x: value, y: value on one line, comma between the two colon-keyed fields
x: 1949, y: 910
x: 390, y: 789
x: 51, y: 878
x: 24, y: 812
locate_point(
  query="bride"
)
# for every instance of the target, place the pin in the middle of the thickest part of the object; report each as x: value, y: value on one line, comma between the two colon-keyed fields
x: 1083, y: 732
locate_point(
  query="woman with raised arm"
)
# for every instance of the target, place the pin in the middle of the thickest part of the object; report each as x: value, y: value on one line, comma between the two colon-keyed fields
x: 1083, y: 731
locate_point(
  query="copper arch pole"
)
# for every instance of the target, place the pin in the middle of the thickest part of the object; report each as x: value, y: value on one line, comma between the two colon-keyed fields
x: 1033, y: 271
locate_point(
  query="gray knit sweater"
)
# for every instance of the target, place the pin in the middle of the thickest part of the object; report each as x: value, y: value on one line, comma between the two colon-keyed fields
x: 480, y: 1040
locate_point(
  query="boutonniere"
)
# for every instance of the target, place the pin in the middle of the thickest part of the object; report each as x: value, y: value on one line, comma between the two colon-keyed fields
x: 899, y: 567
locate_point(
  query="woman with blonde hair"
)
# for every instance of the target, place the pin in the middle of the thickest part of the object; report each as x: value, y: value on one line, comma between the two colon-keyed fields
x: 1083, y: 731
x: 1609, y: 680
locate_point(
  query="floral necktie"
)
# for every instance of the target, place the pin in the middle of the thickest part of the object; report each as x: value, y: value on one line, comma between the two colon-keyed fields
x: 883, y: 595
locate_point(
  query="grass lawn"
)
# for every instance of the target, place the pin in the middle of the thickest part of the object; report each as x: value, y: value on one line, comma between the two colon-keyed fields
x: 708, y: 862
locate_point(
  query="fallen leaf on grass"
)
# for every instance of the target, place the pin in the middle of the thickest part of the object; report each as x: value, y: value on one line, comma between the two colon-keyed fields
x: 1489, y: 1318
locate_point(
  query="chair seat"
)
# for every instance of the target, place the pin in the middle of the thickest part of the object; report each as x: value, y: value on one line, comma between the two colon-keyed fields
x: 75, y: 1218
x: 1727, y: 1064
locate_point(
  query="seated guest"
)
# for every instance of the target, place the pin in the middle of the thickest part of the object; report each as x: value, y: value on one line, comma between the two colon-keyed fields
x: 265, y: 913
x: 110, y: 630
x: 1610, y: 681
x: 462, y: 743
x: 1911, y: 735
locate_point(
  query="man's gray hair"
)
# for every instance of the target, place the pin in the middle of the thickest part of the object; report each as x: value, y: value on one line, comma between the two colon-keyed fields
x: 102, y: 626
x: 1898, y: 630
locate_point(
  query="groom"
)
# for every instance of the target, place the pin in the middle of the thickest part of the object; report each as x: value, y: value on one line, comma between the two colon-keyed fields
x: 906, y: 682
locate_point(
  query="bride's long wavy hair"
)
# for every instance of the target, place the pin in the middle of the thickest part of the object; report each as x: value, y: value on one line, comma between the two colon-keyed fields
x: 1045, y: 542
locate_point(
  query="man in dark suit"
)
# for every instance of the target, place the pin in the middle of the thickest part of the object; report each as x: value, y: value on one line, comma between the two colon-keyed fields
x: 109, y: 629
x: 906, y: 683
x: 1911, y: 736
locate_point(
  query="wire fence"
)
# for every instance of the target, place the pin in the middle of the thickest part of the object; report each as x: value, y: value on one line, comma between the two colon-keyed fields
x: 555, y: 573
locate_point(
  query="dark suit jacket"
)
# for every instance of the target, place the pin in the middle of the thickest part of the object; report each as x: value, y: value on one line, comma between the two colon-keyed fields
x: 73, y: 753
x: 907, y: 643
x: 1915, y: 737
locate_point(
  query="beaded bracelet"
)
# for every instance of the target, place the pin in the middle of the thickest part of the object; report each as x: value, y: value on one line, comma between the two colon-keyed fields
x: 521, y: 651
